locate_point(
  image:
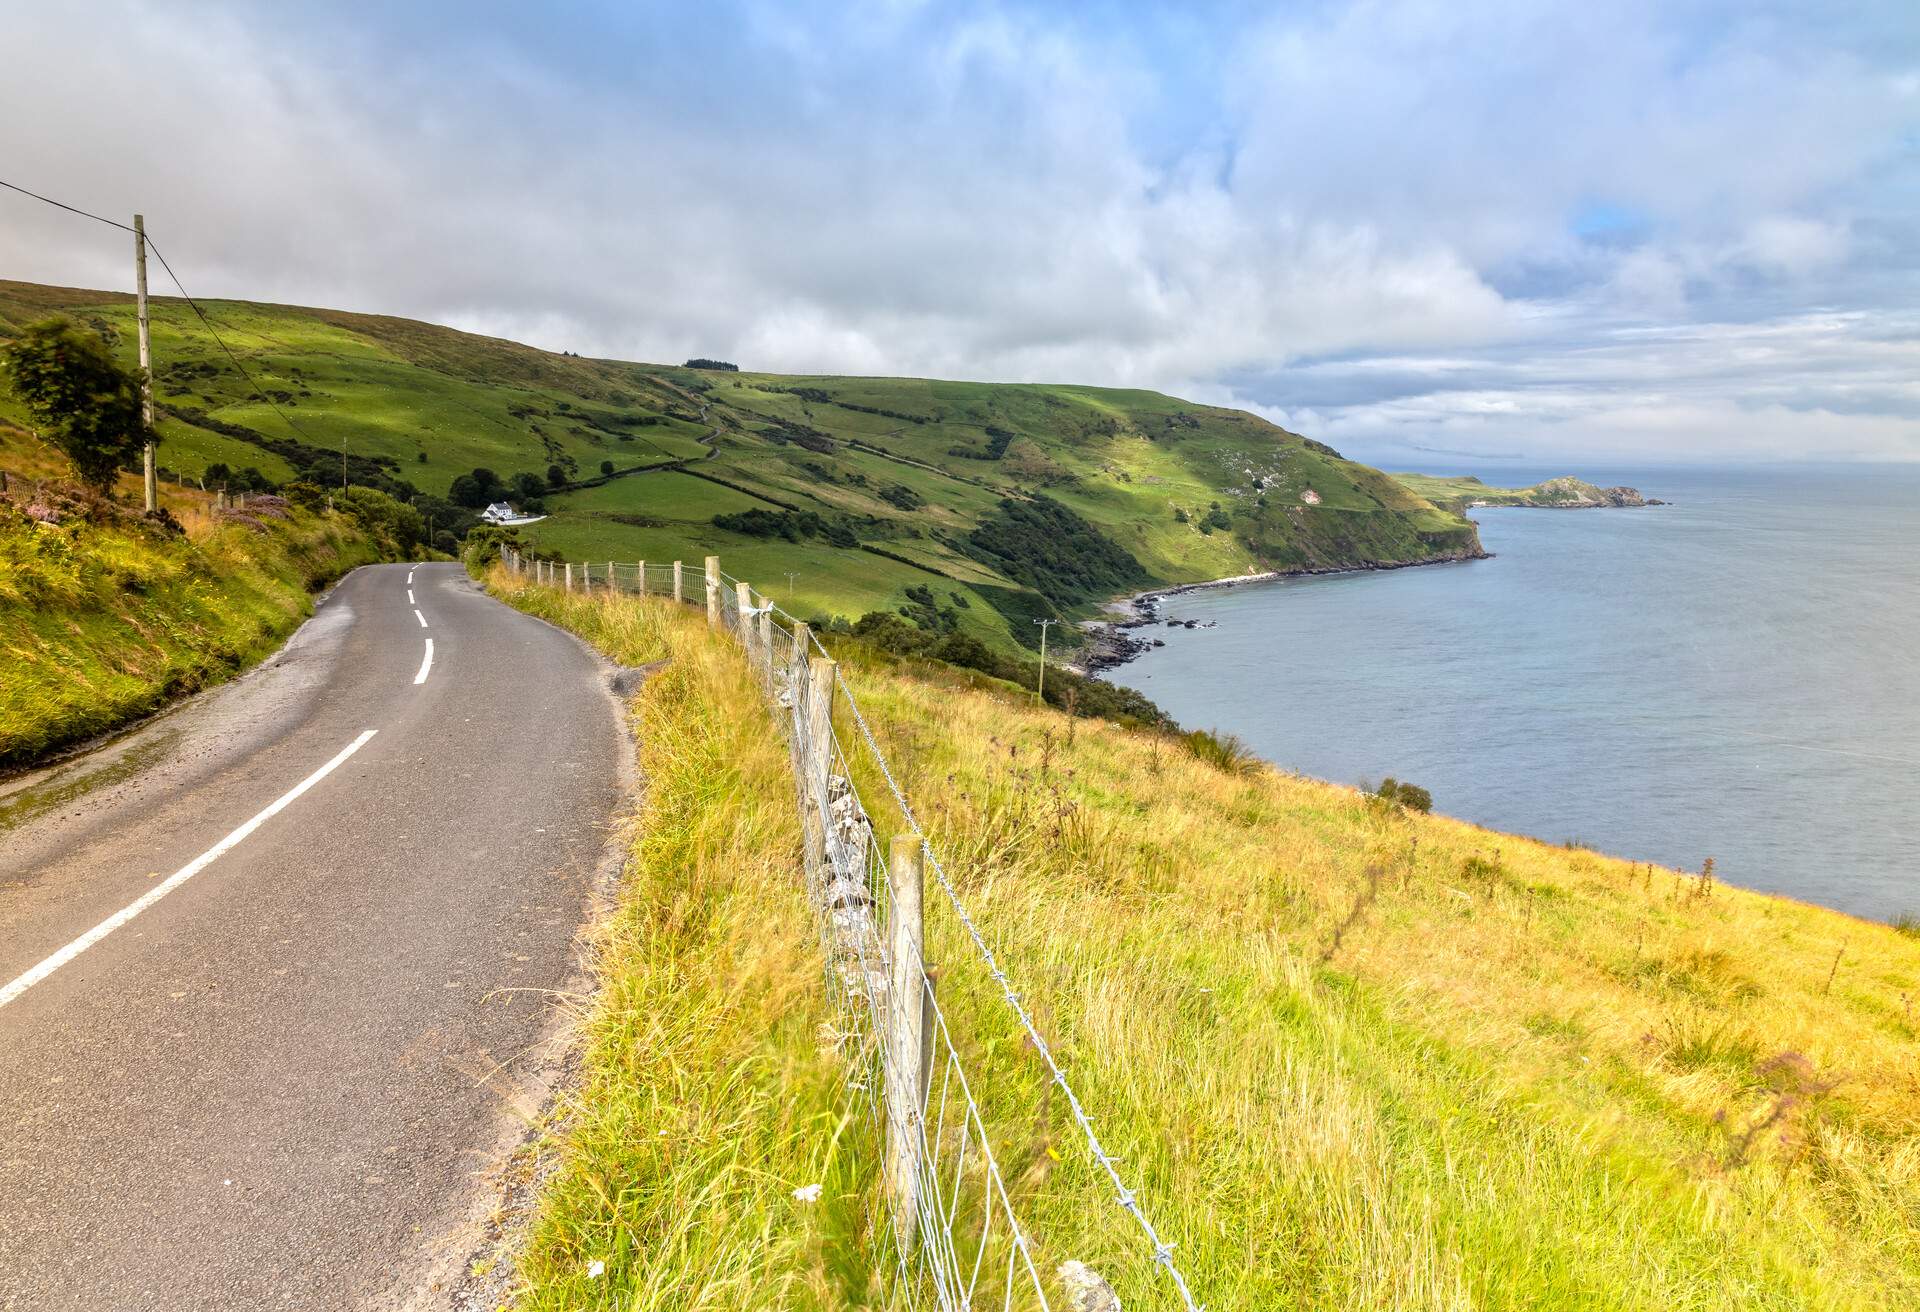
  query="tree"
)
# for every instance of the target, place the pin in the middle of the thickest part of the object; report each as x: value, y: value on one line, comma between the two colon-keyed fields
x: 466, y: 491
x: 606, y: 467
x: 527, y: 485
x: 556, y: 475
x: 84, y: 403
x: 475, y: 490
x: 217, y: 474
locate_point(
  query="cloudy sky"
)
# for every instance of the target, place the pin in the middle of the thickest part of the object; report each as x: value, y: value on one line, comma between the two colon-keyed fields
x: 1432, y: 232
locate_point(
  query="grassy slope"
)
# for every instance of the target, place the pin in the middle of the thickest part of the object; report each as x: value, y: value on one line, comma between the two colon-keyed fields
x: 436, y: 403
x: 102, y: 622
x: 1354, y: 1057
x: 706, y: 1097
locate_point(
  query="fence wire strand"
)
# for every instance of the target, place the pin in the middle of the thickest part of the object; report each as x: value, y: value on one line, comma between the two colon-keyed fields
x: 968, y: 1231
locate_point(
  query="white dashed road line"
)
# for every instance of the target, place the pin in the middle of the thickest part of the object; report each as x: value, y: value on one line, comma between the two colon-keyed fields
x: 422, y: 618
x: 409, y: 596
x: 179, y: 877
x: 426, y: 663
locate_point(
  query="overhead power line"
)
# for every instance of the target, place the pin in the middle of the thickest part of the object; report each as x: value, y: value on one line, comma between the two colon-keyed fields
x: 253, y: 386
x: 62, y: 205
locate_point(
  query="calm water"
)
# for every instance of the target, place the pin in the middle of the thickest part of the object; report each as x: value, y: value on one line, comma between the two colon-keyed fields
x: 1736, y: 675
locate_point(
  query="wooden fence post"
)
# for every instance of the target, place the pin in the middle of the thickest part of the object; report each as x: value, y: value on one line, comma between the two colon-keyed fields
x: 640, y: 579
x: 743, y: 608
x: 569, y: 576
x: 765, y: 641
x: 905, y: 1037
x: 713, y: 591
x: 821, y: 674
x: 613, y: 579
x: 679, y: 593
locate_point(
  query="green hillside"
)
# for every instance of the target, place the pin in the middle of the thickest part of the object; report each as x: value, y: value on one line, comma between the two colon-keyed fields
x: 976, y: 507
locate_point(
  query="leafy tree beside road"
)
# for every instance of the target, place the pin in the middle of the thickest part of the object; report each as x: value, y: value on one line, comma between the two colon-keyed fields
x: 85, y: 404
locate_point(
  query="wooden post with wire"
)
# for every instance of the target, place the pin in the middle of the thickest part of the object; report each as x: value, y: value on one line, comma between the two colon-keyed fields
x: 743, y: 608
x: 906, y: 1037
x: 821, y: 674
x: 146, y: 358
x: 640, y: 577
x: 569, y: 576
x: 713, y: 591
x: 679, y: 593
x: 797, y: 658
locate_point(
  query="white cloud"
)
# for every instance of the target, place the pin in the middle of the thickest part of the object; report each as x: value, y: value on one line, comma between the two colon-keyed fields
x: 993, y: 193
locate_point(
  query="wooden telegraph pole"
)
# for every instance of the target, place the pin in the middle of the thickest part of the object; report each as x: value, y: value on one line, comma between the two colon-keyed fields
x: 1040, y: 693
x: 146, y: 357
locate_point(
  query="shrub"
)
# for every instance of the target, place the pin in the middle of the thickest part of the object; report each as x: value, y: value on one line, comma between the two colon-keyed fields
x: 309, y: 496
x: 483, y: 545
x: 1411, y: 796
x: 606, y: 467
x: 397, y: 527
x: 1223, y: 751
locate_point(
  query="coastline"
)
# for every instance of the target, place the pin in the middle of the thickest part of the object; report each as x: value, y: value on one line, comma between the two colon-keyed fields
x: 1111, y: 643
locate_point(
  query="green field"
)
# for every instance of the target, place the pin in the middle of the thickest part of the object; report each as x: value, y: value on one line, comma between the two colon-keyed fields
x: 874, y: 486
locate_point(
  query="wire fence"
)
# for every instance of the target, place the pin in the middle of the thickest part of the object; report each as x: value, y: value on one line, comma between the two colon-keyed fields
x: 953, y: 1233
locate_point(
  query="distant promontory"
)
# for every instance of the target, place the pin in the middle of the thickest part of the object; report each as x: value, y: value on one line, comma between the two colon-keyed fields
x: 1465, y: 492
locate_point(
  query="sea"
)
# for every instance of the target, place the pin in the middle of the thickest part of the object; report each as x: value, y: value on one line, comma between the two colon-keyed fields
x: 1735, y: 675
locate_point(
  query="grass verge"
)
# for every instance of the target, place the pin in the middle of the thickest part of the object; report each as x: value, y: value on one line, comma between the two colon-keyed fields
x: 102, y: 621
x: 710, y: 1091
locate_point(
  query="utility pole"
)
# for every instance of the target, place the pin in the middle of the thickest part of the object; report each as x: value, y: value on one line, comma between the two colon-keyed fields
x: 791, y: 576
x: 1040, y: 693
x: 146, y: 357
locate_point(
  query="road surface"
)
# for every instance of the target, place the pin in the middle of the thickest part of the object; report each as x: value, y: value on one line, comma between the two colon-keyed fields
x: 278, y: 972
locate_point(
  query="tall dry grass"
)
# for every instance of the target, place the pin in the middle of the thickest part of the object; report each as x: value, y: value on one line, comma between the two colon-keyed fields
x: 711, y: 1090
x: 1352, y: 1056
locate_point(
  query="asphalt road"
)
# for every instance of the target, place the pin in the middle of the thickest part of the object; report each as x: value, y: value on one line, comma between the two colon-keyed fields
x: 286, y: 1077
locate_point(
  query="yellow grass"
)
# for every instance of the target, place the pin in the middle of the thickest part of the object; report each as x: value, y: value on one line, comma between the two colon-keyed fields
x: 709, y: 1092
x: 1357, y: 1058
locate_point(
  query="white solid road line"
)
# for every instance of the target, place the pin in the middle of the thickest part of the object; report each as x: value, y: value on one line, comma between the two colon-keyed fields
x: 422, y: 618
x: 179, y: 877
x: 426, y: 663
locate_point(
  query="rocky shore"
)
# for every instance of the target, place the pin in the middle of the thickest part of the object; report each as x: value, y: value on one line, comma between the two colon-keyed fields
x: 1115, y: 642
